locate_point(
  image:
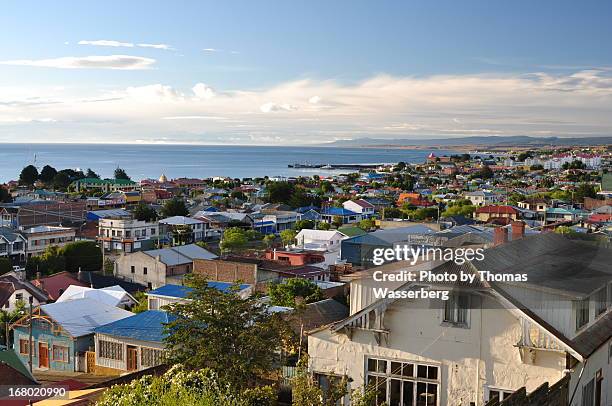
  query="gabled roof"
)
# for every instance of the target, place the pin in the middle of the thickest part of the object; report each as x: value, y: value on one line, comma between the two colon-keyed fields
x: 497, y: 209
x: 338, y: 211
x: 182, y: 254
x: 81, y: 316
x: 318, y: 234
x: 9, y: 284
x: 180, y: 220
x: 112, y: 295
x: 54, y: 285
x: 146, y: 326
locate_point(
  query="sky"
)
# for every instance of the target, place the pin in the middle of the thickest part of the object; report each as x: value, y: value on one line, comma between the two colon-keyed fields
x: 302, y: 72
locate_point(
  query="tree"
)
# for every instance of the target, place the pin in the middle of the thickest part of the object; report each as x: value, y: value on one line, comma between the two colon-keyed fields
x: 237, y: 194
x: 367, y: 224
x: 143, y: 212
x: 323, y: 226
x: 280, y: 192
x: 82, y: 255
x: 288, y: 237
x: 234, y: 239
x: 121, y: 174
x: 5, y: 266
x: 109, y: 266
x: 237, y: 338
x: 485, y: 172
x: 268, y: 240
x: 47, y: 174
x: 143, y: 303
x: 584, y: 190
x: 174, y: 207
x: 302, y: 224
x: 337, y: 221
x: 61, y: 181
x: 300, y: 198
x: 7, y: 318
x: 5, y: 196
x: 285, y: 294
x: 28, y: 175
x: 91, y: 174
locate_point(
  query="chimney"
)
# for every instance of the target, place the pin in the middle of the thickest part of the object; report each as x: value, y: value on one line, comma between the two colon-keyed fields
x: 500, y: 236
x: 518, y: 230
x: 37, y: 275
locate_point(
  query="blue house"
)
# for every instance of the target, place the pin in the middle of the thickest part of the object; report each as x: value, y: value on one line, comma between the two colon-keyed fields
x: 169, y: 294
x: 265, y: 227
x: 131, y: 344
x: 62, y: 333
x: 347, y: 216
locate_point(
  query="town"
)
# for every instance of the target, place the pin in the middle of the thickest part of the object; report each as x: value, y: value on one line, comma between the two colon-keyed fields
x: 262, y: 290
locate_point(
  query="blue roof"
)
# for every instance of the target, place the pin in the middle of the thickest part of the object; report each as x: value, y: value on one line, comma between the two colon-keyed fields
x: 145, y: 326
x: 182, y: 292
x: 304, y: 209
x: 338, y: 211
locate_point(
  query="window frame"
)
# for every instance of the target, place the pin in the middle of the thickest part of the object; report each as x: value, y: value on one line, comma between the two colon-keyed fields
x: 454, y: 300
x: 582, y: 312
x: 65, y: 353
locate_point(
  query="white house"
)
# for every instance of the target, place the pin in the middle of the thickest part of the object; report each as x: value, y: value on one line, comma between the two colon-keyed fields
x: 319, y: 240
x: 41, y: 237
x: 488, y: 339
x: 172, y: 225
x: 481, y: 197
x: 14, y: 291
x: 112, y: 295
x: 12, y: 244
x: 363, y: 207
x: 127, y: 235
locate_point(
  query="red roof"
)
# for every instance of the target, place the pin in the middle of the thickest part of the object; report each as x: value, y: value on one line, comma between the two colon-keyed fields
x: 600, y: 218
x: 52, y: 285
x: 497, y: 210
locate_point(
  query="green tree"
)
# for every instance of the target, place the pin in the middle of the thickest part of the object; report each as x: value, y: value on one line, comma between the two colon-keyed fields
x: 174, y: 207
x: 91, y: 174
x: 47, y: 174
x: 143, y: 212
x: 28, y: 175
x: 6, y: 318
x: 237, y: 338
x: 584, y: 190
x: 485, y: 173
x: 268, y: 240
x: 121, y: 174
x: 337, y: 221
x: 143, y: 303
x: 61, y: 181
x: 286, y: 293
x: 323, y: 226
x: 83, y: 255
x: 5, y: 196
x: 288, y: 237
x: 280, y: 192
x: 234, y: 239
x: 302, y: 224
x: 367, y: 224
x: 5, y: 266
x: 109, y: 266
x: 564, y: 230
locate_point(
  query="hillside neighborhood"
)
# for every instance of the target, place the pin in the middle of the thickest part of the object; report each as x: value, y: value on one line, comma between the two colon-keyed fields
x: 105, y: 281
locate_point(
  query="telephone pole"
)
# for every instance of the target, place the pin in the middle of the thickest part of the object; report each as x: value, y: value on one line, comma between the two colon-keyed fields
x: 30, y: 349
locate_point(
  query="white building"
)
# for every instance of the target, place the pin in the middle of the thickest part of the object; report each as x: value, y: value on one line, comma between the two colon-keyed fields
x: 481, y: 197
x: 363, y: 207
x: 12, y: 244
x: 127, y: 235
x: 319, y: 240
x: 173, y: 225
x: 487, y: 340
x: 41, y: 237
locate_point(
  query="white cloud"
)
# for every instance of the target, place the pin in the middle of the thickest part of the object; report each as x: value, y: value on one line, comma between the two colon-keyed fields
x: 273, y: 107
x: 125, y: 62
x: 203, y: 91
x: 211, y: 50
x: 165, y: 47
x: 106, y: 43
x: 382, y: 106
x: 314, y: 100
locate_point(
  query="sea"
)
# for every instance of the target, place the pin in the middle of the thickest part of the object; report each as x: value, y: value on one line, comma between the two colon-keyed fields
x: 196, y: 161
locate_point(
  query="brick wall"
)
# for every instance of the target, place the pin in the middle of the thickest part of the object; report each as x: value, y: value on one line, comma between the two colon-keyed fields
x: 225, y: 271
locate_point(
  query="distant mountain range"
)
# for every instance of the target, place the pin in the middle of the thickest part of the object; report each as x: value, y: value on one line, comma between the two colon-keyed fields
x: 517, y: 140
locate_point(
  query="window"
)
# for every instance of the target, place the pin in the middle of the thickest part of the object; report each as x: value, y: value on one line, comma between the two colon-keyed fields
x: 60, y: 353
x: 499, y: 394
x: 588, y: 390
x: 601, y: 301
x: 110, y: 350
x: 144, y: 270
x: 18, y: 296
x: 133, y: 269
x: 24, y: 345
x: 152, y: 232
x: 403, y: 383
x: 582, y: 313
x: 456, y: 309
x: 150, y: 357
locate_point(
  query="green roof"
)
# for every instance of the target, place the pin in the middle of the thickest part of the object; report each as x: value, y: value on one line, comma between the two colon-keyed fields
x: 106, y: 181
x: 351, y: 231
x: 11, y: 359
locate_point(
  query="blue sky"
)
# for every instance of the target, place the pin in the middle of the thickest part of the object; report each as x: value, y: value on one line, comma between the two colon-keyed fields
x: 302, y: 72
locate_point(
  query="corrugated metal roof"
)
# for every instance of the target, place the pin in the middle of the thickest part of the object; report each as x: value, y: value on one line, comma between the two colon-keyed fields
x: 81, y: 316
x: 146, y: 326
x: 182, y: 254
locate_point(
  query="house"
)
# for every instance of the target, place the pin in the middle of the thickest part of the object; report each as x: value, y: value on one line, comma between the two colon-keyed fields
x: 488, y: 339
x: 496, y: 214
x: 41, y: 237
x: 556, y: 214
x: 43, y: 213
x: 12, y: 245
x: 183, y: 230
x: 363, y: 207
x: 319, y: 240
x: 156, y: 268
x: 168, y: 294
x: 14, y: 291
x: 280, y: 219
x: 112, y: 295
x: 62, y: 333
x: 55, y: 285
x: 481, y: 197
x: 104, y: 185
x: 132, y: 343
x: 127, y: 235
x: 329, y: 214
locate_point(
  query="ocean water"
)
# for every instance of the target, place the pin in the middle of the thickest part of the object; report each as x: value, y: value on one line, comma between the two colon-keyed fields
x: 198, y: 161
